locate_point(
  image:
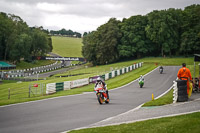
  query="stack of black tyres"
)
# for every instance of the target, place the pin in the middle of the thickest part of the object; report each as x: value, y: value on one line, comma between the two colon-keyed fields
x: 182, y: 90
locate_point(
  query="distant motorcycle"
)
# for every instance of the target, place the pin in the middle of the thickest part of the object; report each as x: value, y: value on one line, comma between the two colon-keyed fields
x: 141, y: 81
x: 101, y: 94
x: 161, y: 70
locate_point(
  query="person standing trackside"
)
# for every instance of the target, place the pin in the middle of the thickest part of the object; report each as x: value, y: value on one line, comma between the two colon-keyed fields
x: 184, y: 74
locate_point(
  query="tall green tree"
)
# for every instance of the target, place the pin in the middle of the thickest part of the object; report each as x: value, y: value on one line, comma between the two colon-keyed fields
x: 18, y: 41
x: 190, y: 43
x: 163, y: 29
x: 89, y: 45
x: 100, y: 47
x: 6, y: 29
x: 109, y: 36
x: 21, y: 48
x: 40, y: 43
x: 134, y: 42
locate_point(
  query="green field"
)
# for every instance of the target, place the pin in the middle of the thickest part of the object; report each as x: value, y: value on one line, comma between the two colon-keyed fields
x: 179, y: 124
x: 67, y: 46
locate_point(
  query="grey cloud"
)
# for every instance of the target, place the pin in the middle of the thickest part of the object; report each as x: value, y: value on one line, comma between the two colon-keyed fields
x: 92, y: 9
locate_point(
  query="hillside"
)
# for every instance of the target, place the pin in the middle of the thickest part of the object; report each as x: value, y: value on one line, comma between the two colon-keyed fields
x: 67, y: 46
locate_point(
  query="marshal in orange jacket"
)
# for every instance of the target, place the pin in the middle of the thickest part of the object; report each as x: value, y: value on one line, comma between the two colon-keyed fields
x: 184, y: 74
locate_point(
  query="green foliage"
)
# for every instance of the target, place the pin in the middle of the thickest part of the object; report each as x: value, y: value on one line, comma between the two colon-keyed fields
x: 191, y: 30
x: 134, y: 41
x: 65, y: 32
x: 88, y: 49
x: 18, y: 41
x: 171, y: 32
x: 100, y: 47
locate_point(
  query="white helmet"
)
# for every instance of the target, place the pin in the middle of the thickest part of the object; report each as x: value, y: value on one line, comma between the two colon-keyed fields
x: 98, y: 79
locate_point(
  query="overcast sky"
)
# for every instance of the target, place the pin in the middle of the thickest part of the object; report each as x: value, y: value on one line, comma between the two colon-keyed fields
x: 83, y: 15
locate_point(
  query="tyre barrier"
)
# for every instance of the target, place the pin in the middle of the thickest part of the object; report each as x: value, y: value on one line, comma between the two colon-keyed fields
x: 66, y: 85
x: 182, y: 90
x: 181, y: 83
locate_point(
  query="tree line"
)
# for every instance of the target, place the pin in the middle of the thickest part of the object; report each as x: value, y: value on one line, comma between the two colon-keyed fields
x: 171, y: 32
x: 65, y: 32
x: 18, y: 41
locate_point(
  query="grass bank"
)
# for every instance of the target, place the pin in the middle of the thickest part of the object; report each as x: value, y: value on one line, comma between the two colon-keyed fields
x: 67, y: 46
x: 177, y: 124
x: 166, y: 99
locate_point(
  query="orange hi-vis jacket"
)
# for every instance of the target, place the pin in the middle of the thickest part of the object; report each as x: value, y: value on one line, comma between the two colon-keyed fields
x: 184, y: 74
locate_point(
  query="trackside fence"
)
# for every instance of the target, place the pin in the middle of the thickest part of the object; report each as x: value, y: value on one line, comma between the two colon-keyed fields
x: 34, y: 90
x: 55, y: 87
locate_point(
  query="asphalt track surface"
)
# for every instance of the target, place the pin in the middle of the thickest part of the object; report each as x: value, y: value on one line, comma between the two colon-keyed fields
x: 70, y: 112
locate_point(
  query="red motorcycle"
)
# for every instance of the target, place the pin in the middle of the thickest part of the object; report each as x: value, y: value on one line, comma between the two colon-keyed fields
x: 101, y: 94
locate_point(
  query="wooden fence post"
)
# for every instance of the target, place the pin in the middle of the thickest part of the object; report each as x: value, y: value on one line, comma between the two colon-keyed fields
x: 8, y: 93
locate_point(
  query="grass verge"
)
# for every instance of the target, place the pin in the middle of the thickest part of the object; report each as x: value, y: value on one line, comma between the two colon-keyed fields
x: 178, y: 124
x: 166, y: 99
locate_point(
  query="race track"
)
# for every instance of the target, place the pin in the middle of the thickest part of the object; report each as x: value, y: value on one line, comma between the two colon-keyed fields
x: 69, y: 112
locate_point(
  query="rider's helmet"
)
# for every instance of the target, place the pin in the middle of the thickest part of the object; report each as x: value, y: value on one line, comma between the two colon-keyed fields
x: 98, y: 79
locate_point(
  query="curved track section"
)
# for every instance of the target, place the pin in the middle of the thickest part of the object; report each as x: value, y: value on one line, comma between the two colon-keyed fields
x: 70, y: 112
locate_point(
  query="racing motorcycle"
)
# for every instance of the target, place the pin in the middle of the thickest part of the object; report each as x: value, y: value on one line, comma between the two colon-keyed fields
x: 101, y: 94
x: 141, y: 83
x: 161, y: 70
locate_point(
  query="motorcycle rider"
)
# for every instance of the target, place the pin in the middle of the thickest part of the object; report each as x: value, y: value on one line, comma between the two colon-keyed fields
x: 100, y: 81
x: 161, y: 69
x: 141, y: 78
x: 141, y: 81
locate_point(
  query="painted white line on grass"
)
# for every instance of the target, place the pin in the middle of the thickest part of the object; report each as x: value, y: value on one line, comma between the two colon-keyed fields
x: 69, y: 95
